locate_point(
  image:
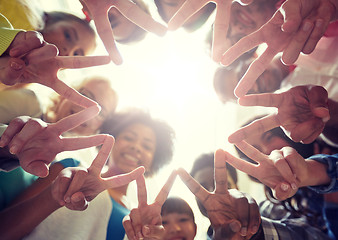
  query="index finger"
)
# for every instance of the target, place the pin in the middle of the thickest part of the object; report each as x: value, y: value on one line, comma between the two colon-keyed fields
x: 221, y: 25
x: 102, y: 155
x: 193, y: 185
x: 141, y: 191
x: 75, y: 120
x: 243, y: 45
x: 187, y: 9
x: 163, y: 194
x: 71, y: 94
x: 256, y: 68
x: 258, y: 126
x: 221, y: 175
x: 81, y: 61
x: 135, y: 14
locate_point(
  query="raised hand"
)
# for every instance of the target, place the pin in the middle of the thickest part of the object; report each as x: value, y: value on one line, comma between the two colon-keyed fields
x: 76, y: 186
x: 302, y: 113
x: 145, y: 221
x: 45, y: 73
x: 99, y: 13
x: 301, y: 33
x: 233, y: 211
x: 36, y: 143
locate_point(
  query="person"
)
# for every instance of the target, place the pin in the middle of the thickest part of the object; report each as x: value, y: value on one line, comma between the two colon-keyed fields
x: 234, y: 215
x: 32, y: 212
x: 167, y: 10
x: 285, y: 32
x: 178, y: 219
x: 139, y: 141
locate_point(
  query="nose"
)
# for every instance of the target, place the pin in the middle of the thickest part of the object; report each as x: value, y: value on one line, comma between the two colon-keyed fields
x: 174, y: 227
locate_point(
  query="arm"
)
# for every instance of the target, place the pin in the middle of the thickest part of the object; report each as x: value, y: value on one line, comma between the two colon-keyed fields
x: 330, y: 131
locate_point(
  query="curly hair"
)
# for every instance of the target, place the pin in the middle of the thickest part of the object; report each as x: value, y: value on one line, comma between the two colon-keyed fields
x: 165, y: 134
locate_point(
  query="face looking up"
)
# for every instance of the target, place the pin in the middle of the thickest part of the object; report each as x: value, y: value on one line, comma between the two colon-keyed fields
x: 97, y: 90
x: 178, y: 226
x: 247, y: 19
x: 135, y: 146
x: 122, y: 27
x: 70, y: 37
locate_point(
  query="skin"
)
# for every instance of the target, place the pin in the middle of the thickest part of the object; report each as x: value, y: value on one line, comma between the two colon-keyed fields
x: 71, y: 38
x: 135, y: 146
x: 99, y: 92
x: 122, y: 27
x: 178, y: 226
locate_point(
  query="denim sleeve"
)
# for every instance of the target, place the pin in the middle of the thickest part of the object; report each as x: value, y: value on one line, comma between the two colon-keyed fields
x: 332, y: 162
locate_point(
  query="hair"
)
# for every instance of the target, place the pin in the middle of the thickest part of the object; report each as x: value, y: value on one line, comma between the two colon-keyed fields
x: 139, y: 33
x: 57, y: 16
x: 164, y: 134
x: 207, y: 11
x: 176, y: 205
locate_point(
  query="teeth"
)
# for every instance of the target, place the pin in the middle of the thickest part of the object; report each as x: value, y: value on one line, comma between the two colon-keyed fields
x: 131, y: 158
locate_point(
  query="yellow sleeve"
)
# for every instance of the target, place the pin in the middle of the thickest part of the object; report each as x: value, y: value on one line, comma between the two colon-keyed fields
x: 7, y: 33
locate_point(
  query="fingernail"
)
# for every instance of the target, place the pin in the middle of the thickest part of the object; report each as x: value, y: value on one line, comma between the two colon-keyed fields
x: 13, y: 149
x: 284, y: 187
x: 307, y: 26
x: 294, y: 186
x: 254, y: 229
x: 244, y: 230
x: 326, y: 119
x: 67, y: 200
x: 234, y: 226
x: 140, y: 236
x: 16, y: 66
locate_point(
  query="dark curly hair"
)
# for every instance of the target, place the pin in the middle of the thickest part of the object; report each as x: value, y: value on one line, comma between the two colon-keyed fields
x: 165, y: 134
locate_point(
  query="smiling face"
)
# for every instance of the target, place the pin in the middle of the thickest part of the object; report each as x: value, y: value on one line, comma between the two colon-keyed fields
x: 178, y: 226
x: 71, y: 38
x: 135, y: 146
x: 247, y: 19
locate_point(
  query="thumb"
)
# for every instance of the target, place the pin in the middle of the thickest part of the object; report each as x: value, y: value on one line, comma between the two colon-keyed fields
x: 318, y: 98
x: 38, y: 168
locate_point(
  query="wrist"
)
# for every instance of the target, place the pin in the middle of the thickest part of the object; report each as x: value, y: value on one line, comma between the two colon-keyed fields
x: 317, y: 169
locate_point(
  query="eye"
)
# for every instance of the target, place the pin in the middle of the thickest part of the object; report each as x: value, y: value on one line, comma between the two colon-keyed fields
x: 67, y: 35
x: 164, y: 223
x: 183, y: 219
x: 78, y: 52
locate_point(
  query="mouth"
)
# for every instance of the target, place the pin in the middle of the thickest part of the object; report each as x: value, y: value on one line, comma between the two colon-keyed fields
x: 131, y: 159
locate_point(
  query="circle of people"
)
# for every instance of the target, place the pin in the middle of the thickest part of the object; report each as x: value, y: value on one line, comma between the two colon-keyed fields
x: 292, y: 151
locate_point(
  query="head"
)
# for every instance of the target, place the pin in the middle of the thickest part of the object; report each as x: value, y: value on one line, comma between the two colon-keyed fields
x: 203, y: 172
x: 227, y: 78
x: 168, y: 8
x: 96, y: 88
x: 140, y: 140
x: 178, y: 220
x: 72, y: 35
x: 124, y: 30
x: 247, y: 19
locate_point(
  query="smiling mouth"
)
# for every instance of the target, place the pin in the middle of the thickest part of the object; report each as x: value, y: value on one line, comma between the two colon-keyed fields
x: 131, y: 158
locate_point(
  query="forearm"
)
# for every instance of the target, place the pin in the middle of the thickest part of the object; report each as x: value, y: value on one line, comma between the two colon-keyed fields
x: 19, y: 220
x: 317, y: 174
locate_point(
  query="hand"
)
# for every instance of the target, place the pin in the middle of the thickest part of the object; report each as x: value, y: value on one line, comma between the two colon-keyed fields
x: 284, y: 170
x: 36, y: 143
x: 31, y: 47
x: 145, y: 221
x: 45, y: 73
x: 99, y: 13
x: 234, y: 211
x: 302, y: 113
x: 76, y: 186
x: 301, y: 33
